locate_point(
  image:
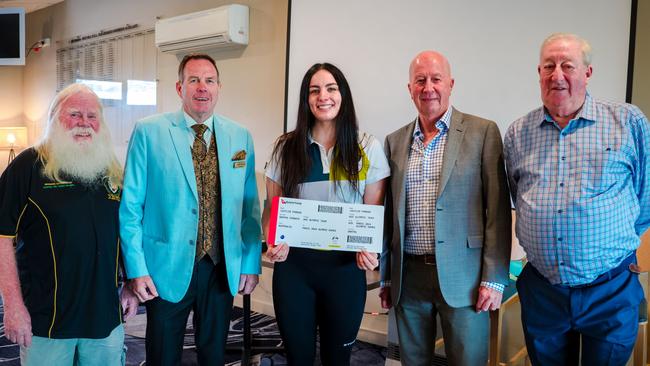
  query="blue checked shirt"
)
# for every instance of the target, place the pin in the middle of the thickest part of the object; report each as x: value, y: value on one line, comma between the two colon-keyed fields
x: 581, y: 193
x: 422, y: 184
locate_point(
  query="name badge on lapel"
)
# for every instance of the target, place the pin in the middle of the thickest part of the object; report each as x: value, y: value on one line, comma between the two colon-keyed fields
x: 239, y: 159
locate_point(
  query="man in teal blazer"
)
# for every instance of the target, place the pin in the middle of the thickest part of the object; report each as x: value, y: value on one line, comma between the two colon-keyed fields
x: 163, y: 216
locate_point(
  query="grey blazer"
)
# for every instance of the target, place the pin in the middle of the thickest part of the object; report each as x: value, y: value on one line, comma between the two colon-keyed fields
x: 473, y: 219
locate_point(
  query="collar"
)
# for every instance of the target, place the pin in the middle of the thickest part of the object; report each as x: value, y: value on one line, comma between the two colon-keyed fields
x: 442, y: 124
x: 586, y: 112
x: 310, y: 140
x: 189, y: 122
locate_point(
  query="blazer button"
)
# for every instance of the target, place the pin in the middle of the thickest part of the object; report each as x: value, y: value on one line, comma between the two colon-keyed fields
x: 191, y: 242
x: 194, y: 211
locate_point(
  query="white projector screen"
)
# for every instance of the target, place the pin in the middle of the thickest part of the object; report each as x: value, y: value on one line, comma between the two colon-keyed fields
x: 493, y: 48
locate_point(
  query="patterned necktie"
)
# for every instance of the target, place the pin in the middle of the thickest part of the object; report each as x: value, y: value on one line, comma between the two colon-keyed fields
x: 199, y: 148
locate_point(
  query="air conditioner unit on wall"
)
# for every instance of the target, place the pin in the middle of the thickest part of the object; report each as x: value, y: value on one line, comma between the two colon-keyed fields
x: 222, y: 27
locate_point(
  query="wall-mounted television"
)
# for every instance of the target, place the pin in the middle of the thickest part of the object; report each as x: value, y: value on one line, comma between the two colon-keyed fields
x: 12, y: 36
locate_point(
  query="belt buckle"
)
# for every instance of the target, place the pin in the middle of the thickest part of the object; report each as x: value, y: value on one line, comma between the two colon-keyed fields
x: 429, y: 259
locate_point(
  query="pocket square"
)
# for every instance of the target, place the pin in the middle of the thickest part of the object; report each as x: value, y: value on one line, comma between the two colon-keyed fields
x: 239, y: 155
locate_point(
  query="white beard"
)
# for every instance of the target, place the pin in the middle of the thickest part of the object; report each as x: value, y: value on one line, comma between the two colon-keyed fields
x: 85, y: 161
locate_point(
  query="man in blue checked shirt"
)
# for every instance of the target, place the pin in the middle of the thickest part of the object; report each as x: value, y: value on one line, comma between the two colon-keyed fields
x: 578, y: 172
x: 448, y: 223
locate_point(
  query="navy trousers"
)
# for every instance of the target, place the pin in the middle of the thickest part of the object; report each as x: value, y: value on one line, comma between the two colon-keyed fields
x: 209, y: 297
x: 603, y: 314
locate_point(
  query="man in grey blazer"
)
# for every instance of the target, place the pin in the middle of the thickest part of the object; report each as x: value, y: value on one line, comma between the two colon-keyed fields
x: 448, y: 221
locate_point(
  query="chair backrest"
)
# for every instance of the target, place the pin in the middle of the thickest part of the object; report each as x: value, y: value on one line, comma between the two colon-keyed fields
x: 643, y: 253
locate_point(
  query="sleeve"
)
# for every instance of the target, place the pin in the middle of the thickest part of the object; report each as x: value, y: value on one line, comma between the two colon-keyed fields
x: 385, y: 258
x: 378, y: 168
x: 493, y: 285
x: 250, y: 224
x: 642, y: 173
x: 132, y: 204
x: 273, y: 169
x: 498, y: 218
x: 15, y: 184
x: 509, y: 158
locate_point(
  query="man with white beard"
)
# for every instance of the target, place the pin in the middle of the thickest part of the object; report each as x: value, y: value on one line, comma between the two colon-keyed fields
x: 59, y: 205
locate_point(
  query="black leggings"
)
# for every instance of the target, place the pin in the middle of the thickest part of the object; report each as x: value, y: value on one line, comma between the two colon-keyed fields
x: 321, y: 289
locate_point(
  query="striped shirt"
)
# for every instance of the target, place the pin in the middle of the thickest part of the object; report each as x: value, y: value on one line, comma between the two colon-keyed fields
x: 422, y: 185
x: 581, y: 193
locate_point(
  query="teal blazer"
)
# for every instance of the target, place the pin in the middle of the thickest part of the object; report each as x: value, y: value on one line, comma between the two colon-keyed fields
x: 159, y: 207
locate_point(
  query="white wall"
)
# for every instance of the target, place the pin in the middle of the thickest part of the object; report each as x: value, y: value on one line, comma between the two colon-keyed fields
x: 493, y: 48
x: 253, y: 80
x: 11, y: 96
x: 11, y: 103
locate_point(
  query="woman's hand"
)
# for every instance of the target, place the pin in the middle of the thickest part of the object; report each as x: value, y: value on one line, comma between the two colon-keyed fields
x: 367, y: 261
x: 278, y: 253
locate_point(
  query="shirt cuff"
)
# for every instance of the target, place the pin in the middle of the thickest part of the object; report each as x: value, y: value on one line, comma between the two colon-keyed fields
x: 493, y: 285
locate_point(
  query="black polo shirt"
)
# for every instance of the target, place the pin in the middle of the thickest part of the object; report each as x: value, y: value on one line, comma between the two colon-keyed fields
x: 67, y: 249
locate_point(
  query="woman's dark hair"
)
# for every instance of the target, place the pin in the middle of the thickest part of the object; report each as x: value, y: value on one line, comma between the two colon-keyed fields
x: 291, y: 148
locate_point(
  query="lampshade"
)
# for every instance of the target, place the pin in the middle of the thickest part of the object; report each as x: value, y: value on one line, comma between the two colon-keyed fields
x: 13, y: 138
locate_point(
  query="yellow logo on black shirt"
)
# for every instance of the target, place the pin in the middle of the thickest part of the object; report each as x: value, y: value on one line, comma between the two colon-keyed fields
x: 112, y: 189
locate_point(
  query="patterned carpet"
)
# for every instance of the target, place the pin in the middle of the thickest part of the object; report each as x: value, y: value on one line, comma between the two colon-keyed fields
x: 264, y: 329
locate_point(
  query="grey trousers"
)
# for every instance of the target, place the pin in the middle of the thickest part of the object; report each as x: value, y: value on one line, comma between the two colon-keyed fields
x: 465, y: 332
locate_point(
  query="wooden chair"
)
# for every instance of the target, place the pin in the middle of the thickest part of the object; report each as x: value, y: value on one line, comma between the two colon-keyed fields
x: 640, y: 354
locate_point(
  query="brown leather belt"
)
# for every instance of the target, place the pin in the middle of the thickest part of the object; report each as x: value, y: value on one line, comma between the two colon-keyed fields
x: 429, y: 259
